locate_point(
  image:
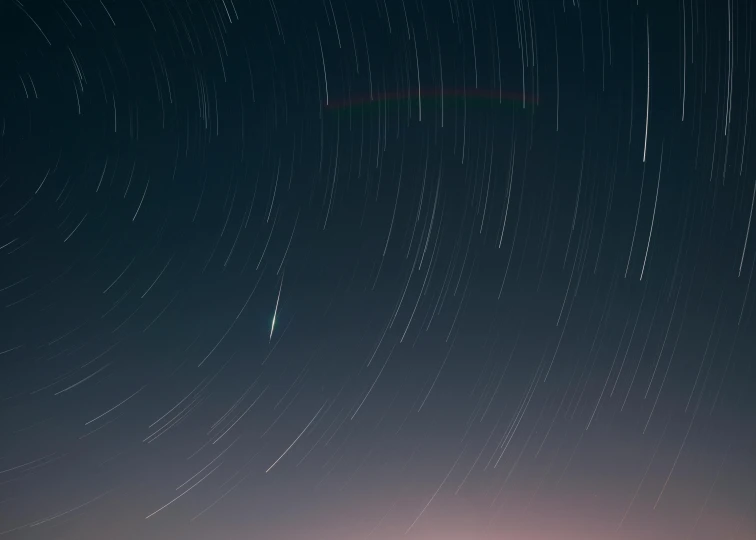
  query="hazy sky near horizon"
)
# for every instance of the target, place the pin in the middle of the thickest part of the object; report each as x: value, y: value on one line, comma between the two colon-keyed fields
x: 377, y: 270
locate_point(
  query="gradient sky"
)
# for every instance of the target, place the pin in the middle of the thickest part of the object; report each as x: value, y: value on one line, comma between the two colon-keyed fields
x: 377, y: 270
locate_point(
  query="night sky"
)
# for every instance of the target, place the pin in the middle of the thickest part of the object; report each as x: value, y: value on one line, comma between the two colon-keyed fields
x: 377, y: 269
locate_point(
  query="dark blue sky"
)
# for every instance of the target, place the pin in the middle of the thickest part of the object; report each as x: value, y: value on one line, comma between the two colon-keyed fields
x: 385, y: 269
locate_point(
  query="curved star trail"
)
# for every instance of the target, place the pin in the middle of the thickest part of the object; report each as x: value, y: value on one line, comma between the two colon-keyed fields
x: 376, y: 270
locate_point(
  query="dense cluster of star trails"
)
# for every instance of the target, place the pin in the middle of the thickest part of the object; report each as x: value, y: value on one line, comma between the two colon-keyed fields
x: 382, y: 269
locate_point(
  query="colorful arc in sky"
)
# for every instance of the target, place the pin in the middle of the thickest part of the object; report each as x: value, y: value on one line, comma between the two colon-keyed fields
x: 477, y: 94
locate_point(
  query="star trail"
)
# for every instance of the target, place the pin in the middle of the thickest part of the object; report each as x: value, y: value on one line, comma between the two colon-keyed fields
x: 377, y: 270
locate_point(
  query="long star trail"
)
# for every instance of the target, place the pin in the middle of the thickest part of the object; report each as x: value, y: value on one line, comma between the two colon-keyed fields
x: 653, y: 215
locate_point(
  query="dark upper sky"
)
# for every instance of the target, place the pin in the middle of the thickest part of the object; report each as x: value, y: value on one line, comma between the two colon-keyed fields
x: 378, y: 269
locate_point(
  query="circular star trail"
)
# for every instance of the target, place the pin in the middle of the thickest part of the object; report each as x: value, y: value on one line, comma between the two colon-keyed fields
x: 377, y: 270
